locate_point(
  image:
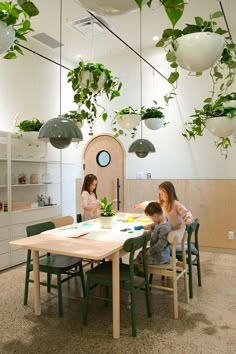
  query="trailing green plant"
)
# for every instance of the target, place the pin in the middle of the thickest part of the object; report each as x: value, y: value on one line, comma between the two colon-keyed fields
x: 212, y: 109
x: 106, y: 207
x: 75, y: 116
x: 152, y: 112
x: 33, y: 125
x: 117, y: 130
x: 87, y: 93
x: 18, y: 16
x: 173, y: 8
x: 217, y: 72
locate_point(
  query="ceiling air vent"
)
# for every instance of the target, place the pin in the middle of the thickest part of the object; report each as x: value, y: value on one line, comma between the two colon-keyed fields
x: 47, y: 40
x: 90, y: 27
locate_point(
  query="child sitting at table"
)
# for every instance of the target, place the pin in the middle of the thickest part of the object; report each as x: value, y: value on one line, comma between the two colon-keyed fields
x: 159, y: 250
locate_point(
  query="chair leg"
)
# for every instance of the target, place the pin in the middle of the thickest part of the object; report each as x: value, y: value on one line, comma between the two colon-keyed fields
x: 175, y: 299
x: 27, y: 275
x: 186, y: 287
x: 133, y: 313
x: 190, y: 277
x: 60, y: 306
x: 148, y: 300
x: 85, y: 307
x: 82, y: 278
x: 48, y: 282
x: 199, y: 271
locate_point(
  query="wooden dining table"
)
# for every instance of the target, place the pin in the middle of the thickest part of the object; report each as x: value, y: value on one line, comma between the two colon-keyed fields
x: 85, y: 240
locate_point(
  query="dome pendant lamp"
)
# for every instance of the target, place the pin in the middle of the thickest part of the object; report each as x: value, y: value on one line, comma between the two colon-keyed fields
x: 60, y: 132
x: 141, y: 147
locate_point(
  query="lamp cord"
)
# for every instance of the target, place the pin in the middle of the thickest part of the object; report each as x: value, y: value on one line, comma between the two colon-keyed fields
x: 140, y: 68
x: 60, y: 55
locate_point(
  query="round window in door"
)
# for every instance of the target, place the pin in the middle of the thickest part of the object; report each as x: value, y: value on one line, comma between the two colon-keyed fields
x: 103, y: 158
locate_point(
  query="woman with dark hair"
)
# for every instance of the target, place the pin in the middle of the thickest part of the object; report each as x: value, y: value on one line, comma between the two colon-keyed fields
x: 90, y: 205
x: 176, y: 213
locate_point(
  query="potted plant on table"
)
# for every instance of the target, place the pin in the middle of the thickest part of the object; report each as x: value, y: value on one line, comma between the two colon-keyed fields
x: 89, y: 81
x: 153, y: 117
x: 15, y: 25
x: 28, y: 130
x: 219, y: 117
x: 107, y: 213
x: 127, y: 119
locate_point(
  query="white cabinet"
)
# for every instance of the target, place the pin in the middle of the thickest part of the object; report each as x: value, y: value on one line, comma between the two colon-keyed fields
x: 27, y: 172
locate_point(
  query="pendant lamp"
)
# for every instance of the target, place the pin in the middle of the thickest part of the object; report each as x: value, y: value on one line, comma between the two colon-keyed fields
x: 141, y: 147
x: 60, y: 132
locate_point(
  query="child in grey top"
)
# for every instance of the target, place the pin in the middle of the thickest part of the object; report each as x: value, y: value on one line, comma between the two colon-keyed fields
x: 159, y: 250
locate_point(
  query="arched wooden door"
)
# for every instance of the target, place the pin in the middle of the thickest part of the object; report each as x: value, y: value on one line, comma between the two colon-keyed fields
x: 104, y: 157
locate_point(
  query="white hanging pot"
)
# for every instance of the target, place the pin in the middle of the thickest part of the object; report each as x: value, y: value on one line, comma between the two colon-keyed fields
x: 109, y: 7
x: 7, y: 36
x: 154, y: 123
x: 221, y: 126
x: 80, y: 124
x: 128, y: 121
x: 107, y: 221
x: 31, y: 138
x: 88, y: 76
x: 199, y: 51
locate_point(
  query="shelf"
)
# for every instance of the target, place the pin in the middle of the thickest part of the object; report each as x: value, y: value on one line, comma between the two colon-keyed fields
x: 34, y: 161
x: 34, y: 184
x: 38, y: 208
x: 3, y: 186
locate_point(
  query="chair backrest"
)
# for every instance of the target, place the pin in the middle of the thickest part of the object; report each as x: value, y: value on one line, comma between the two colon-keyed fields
x: 36, y: 229
x: 193, y: 229
x: 62, y: 220
x: 133, y: 244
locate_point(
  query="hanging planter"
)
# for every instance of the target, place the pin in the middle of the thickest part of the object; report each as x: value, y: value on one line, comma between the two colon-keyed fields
x: 89, y: 81
x: 109, y: 7
x: 7, y: 36
x: 199, y: 51
x: 76, y: 117
x: 153, y: 117
x: 126, y: 121
x: 15, y: 25
x: 215, y: 117
x: 29, y: 130
x: 221, y: 126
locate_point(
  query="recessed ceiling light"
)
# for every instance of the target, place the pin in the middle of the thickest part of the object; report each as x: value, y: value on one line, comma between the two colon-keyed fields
x: 155, y: 38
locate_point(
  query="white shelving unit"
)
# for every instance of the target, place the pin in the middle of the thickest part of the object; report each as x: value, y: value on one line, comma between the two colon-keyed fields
x: 18, y: 201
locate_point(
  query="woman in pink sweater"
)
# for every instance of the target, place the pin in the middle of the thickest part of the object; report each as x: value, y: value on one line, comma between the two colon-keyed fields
x: 177, y: 214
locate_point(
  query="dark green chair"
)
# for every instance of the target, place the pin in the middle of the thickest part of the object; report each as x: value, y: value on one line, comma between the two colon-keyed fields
x: 52, y: 264
x: 193, y: 254
x: 129, y: 276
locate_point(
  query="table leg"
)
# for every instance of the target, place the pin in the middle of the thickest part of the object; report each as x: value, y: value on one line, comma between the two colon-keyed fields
x: 37, y: 306
x: 116, y: 294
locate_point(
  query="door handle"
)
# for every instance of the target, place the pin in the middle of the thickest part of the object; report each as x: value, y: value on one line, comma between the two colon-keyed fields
x: 118, y: 193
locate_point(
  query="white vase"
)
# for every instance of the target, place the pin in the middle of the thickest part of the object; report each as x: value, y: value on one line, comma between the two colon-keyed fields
x: 199, y: 51
x: 107, y: 221
x: 221, y: 126
x: 31, y: 138
x: 109, y: 7
x: 87, y: 75
x: 154, y: 123
x: 128, y: 121
x: 7, y: 36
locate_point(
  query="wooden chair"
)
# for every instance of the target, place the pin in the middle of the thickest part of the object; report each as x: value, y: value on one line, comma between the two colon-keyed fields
x: 193, y: 254
x: 174, y: 271
x: 130, y: 279
x: 62, y: 221
x: 52, y: 264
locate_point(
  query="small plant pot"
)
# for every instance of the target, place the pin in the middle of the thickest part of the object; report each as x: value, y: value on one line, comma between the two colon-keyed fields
x: 154, y: 123
x: 221, y: 126
x: 199, y: 51
x: 80, y: 124
x: 88, y: 76
x: 7, y: 36
x: 107, y: 221
x: 31, y: 138
x: 128, y: 121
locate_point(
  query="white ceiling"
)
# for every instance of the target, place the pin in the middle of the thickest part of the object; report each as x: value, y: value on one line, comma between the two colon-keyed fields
x: 125, y: 26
